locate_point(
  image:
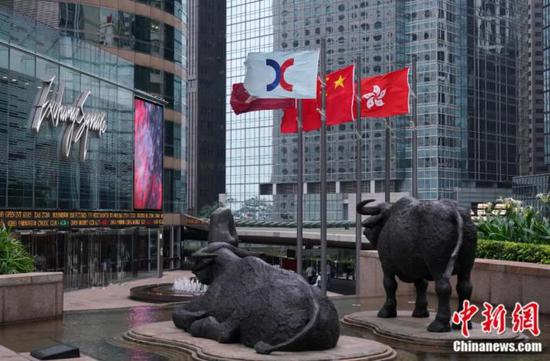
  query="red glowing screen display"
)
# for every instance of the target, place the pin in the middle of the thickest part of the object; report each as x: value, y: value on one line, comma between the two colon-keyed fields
x: 147, y: 155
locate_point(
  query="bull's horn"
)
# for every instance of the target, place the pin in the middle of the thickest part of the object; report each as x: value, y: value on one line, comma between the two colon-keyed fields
x: 367, y: 211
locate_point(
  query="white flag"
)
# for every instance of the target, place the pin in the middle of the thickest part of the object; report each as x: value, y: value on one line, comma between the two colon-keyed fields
x: 282, y: 74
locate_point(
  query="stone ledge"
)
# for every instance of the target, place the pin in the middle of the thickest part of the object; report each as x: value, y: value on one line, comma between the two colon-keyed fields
x: 494, y: 281
x: 20, y: 279
x: 31, y: 296
x: 408, y: 329
x: 165, y: 334
x: 526, y: 268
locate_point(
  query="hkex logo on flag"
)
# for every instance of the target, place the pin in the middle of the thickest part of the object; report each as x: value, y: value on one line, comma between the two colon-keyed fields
x: 282, y: 74
x: 279, y: 74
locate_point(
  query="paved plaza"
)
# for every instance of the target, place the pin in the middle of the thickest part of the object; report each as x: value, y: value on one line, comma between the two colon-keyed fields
x: 115, y: 295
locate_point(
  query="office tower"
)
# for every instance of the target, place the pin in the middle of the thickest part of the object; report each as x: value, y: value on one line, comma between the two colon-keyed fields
x: 88, y: 216
x: 495, y: 30
x: 531, y: 131
x: 248, y: 136
x: 468, y: 63
x: 546, y: 76
x: 206, y: 86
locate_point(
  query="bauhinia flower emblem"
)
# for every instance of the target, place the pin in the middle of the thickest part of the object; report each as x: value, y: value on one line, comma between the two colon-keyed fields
x: 375, y: 97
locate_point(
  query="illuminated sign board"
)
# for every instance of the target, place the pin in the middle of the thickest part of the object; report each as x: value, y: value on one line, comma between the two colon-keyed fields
x: 148, y: 154
x: 21, y: 219
x: 47, y: 106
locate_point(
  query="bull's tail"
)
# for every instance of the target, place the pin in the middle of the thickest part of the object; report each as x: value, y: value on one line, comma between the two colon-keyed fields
x: 451, y: 265
x: 265, y: 348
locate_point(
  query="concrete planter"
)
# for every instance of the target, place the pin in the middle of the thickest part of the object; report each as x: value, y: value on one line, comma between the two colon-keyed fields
x: 31, y: 296
x: 494, y: 281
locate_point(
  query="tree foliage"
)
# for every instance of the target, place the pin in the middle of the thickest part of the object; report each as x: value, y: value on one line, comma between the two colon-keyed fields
x: 255, y: 208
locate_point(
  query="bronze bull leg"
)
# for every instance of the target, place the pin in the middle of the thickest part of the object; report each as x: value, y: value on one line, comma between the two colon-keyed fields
x: 224, y: 332
x: 464, y: 290
x: 443, y: 316
x: 390, y: 306
x: 421, y: 304
x: 184, y: 318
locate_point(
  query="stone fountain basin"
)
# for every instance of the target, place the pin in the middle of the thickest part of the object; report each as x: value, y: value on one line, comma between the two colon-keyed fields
x: 160, y: 293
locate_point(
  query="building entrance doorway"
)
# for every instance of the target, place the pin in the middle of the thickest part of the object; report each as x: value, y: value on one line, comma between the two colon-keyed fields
x: 97, y: 257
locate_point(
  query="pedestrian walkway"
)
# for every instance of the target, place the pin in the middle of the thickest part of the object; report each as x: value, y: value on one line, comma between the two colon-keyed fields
x: 114, y: 295
x: 117, y: 295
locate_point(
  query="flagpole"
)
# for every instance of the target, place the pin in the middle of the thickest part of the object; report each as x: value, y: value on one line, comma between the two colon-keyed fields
x: 414, y: 153
x: 300, y: 193
x: 388, y: 161
x: 323, y: 171
x: 358, y: 171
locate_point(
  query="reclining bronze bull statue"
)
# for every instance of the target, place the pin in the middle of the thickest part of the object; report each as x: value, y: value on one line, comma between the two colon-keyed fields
x: 420, y: 241
x: 256, y: 304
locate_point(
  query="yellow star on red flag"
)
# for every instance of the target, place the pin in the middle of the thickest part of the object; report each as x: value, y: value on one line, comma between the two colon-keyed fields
x: 339, y: 82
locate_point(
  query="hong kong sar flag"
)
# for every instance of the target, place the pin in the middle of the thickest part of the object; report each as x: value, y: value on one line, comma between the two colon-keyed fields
x: 385, y: 95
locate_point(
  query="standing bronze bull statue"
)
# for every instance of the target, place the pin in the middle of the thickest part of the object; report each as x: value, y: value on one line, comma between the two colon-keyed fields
x: 420, y: 241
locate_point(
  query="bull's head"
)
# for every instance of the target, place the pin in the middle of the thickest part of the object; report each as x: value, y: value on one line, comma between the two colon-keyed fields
x: 211, y: 261
x: 222, y: 227
x: 374, y: 224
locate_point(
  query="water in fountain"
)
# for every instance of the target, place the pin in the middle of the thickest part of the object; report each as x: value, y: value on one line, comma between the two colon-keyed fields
x: 189, y: 286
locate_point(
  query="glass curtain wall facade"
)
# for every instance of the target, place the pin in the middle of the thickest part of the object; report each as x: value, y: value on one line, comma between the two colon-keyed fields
x: 33, y: 175
x: 374, y: 32
x: 153, y: 36
x: 383, y: 34
x: 206, y: 98
x: 531, y: 129
x: 495, y: 29
x: 43, y: 193
x: 248, y: 136
x: 40, y: 40
x: 546, y: 77
x: 454, y: 149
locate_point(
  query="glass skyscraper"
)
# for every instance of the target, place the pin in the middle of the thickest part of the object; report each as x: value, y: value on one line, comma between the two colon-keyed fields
x: 206, y: 99
x: 249, y: 146
x: 150, y: 34
x: 546, y: 77
x: 77, y: 215
x: 467, y: 61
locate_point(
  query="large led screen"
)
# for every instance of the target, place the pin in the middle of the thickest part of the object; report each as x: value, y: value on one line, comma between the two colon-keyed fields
x: 147, y: 155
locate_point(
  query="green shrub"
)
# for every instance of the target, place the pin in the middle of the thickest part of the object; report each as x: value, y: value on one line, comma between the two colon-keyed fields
x: 518, y: 224
x: 14, y: 258
x: 513, y: 251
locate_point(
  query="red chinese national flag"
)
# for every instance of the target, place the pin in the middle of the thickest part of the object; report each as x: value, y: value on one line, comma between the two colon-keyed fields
x: 339, y: 96
x: 339, y: 104
x: 385, y: 95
